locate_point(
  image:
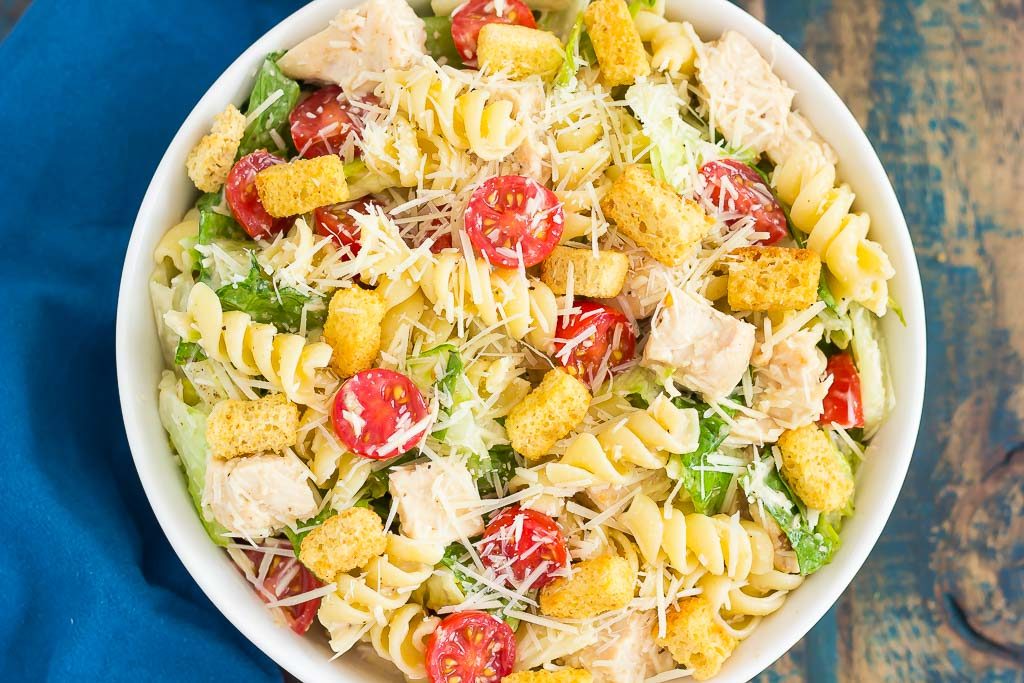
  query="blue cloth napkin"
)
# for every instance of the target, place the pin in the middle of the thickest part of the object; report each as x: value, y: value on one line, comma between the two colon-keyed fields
x: 92, y: 93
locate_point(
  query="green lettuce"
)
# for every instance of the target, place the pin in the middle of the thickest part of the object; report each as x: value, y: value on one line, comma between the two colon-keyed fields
x: 499, y: 465
x: 876, y: 391
x: 455, y: 556
x: 279, y: 306
x: 260, y: 133
x: 440, y: 44
x: 706, y: 488
x: 186, y: 427
x: 677, y: 145
x: 815, y: 547
x: 215, y: 222
x: 578, y: 50
x: 188, y: 352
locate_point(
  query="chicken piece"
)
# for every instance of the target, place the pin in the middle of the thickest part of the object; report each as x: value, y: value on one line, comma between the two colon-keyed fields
x: 748, y: 103
x: 628, y: 654
x: 359, y: 42
x: 434, y: 499
x: 256, y: 496
x: 708, y: 350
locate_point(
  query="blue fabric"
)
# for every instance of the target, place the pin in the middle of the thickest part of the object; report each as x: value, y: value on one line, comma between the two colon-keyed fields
x: 92, y: 94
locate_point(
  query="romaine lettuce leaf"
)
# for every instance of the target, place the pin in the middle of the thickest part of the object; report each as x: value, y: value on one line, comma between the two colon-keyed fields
x: 279, y: 306
x: 272, y: 123
x: 440, y: 44
x: 456, y: 555
x: 216, y: 221
x: 188, y: 352
x: 706, y: 488
x: 678, y: 149
x: 875, y: 383
x: 186, y: 427
x: 499, y: 464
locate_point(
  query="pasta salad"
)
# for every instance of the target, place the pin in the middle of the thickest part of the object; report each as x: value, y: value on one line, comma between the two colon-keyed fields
x: 521, y: 342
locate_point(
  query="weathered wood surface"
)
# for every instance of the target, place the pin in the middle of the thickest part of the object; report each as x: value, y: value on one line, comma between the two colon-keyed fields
x: 939, y: 87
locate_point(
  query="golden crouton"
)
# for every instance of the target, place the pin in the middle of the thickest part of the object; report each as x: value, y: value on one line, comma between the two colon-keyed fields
x: 600, y: 276
x: 620, y: 52
x: 695, y: 638
x: 345, y: 541
x: 814, y: 469
x: 211, y: 159
x: 302, y: 185
x: 560, y: 676
x: 649, y: 212
x: 268, y: 424
x: 353, y: 328
x: 595, y: 587
x: 519, y: 51
x: 548, y: 413
x: 773, y: 278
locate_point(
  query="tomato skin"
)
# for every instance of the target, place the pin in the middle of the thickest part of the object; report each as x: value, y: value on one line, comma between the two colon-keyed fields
x: 325, y: 110
x: 468, y: 20
x: 469, y: 647
x: 383, y: 402
x: 300, y: 617
x: 512, y: 211
x: 241, y: 195
x: 753, y: 197
x: 584, y: 360
x: 842, y: 405
x: 540, y: 541
x: 336, y: 222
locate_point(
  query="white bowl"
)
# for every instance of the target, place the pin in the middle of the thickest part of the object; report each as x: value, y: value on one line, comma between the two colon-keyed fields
x: 139, y: 361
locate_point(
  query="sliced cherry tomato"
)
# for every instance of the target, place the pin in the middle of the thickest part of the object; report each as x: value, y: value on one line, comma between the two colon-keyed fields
x: 736, y: 188
x: 336, y: 222
x: 287, y: 577
x: 470, y: 647
x: 467, y: 22
x: 322, y: 122
x: 509, y: 214
x: 519, y: 543
x: 379, y: 414
x: 842, y: 404
x: 243, y: 199
x: 591, y: 344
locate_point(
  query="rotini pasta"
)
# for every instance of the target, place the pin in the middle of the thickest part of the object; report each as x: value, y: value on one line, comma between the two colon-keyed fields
x: 287, y: 361
x: 174, y: 245
x: 672, y: 50
x: 859, y: 267
x: 403, y: 639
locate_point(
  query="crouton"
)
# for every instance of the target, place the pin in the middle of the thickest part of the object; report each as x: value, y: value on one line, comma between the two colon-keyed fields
x: 773, y: 278
x: 548, y: 413
x: 518, y: 51
x: 620, y: 52
x: 302, y: 185
x: 595, y: 587
x: 814, y: 469
x: 345, y: 541
x: 649, y: 212
x: 268, y: 424
x: 560, y: 676
x: 695, y: 638
x: 211, y: 159
x: 353, y: 328
x: 600, y: 276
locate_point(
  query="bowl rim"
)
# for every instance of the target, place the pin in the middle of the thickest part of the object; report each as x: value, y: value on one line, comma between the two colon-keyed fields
x: 311, y: 664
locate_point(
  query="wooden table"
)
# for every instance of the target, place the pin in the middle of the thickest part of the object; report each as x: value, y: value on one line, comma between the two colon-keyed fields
x: 939, y: 87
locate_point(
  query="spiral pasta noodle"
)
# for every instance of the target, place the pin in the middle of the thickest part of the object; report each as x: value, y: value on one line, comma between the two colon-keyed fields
x: 672, y: 50
x: 644, y: 438
x: 523, y: 306
x: 410, y: 157
x: 860, y: 268
x: 172, y: 247
x: 403, y: 639
x: 437, y: 99
x: 286, y: 361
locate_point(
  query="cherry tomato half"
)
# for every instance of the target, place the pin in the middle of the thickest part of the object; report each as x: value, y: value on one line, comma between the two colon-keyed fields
x: 379, y: 414
x: 299, y: 580
x: 510, y: 213
x: 470, y: 647
x: 736, y: 188
x: 842, y: 404
x: 467, y: 22
x: 337, y: 223
x: 519, y: 542
x: 240, y: 191
x: 322, y: 122
x: 592, y: 343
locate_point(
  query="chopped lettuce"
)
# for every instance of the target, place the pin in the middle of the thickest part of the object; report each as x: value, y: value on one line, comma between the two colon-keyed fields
x: 455, y: 556
x: 498, y: 466
x: 563, y: 20
x: 578, y: 50
x: 706, y: 487
x: 677, y: 151
x: 186, y: 427
x: 440, y: 44
x: 216, y: 221
x: 637, y: 5
x: 875, y: 383
x: 188, y: 352
x: 280, y: 306
x: 815, y: 547
x: 639, y: 385
x: 271, y: 126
